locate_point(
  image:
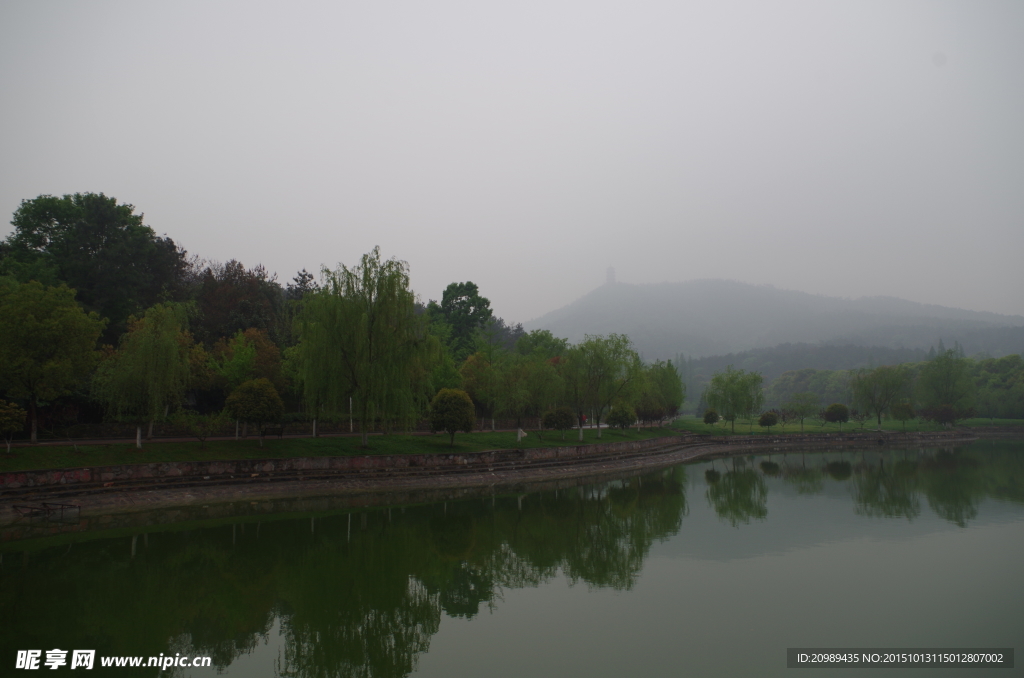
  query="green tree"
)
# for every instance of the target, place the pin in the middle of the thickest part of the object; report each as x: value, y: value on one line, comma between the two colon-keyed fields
x: 837, y: 413
x: 622, y: 416
x: 360, y: 337
x: 526, y: 386
x: 150, y: 370
x: 876, y: 390
x: 465, y: 312
x: 199, y: 426
x: 255, y: 401
x: 660, y: 392
x: 450, y: 411
x: 560, y: 419
x: 605, y: 370
x: 903, y: 411
x: 735, y: 393
x: 803, y: 405
x: 98, y: 247
x: 711, y: 417
x: 47, y: 344
x: 12, y: 420
x: 768, y: 419
x: 946, y: 389
x: 542, y: 343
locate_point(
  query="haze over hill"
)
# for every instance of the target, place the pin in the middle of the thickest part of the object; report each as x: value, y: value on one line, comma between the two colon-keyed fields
x: 716, y: 317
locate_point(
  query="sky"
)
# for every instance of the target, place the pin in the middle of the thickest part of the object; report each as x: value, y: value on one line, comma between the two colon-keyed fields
x: 843, y: 148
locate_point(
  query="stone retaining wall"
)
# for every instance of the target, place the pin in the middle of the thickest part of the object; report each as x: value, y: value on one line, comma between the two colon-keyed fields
x: 245, y: 468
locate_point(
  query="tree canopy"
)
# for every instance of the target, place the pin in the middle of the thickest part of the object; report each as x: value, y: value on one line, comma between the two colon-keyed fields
x: 47, y: 343
x: 359, y: 337
x: 735, y: 393
x: 98, y: 247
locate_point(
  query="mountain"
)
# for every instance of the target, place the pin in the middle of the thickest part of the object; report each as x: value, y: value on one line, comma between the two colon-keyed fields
x: 715, y: 317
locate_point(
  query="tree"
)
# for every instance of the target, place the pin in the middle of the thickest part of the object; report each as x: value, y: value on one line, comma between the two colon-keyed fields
x: 903, y: 411
x: 464, y: 311
x: 542, y: 343
x: 525, y: 386
x: 876, y: 390
x: 767, y: 420
x: 604, y: 370
x: 255, y: 401
x: 12, y: 420
x: 360, y: 337
x: 150, y: 370
x: 735, y: 393
x: 560, y: 419
x: 946, y: 388
x: 199, y: 426
x: 660, y: 392
x: 452, y: 410
x: 232, y: 298
x: 837, y: 413
x: 622, y: 415
x: 98, y: 247
x: 47, y: 344
x: 803, y: 405
x: 711, y: 417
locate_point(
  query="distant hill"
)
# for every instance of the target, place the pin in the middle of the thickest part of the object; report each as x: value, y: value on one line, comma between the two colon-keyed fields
x: 717, y: 317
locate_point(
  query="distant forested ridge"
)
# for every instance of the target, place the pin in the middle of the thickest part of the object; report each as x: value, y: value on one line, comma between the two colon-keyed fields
x: 702, y: 318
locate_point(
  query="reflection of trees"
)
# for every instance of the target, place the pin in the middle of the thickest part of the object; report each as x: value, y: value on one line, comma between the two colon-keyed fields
x: 360, y: 596
x: 888, y: 492
x: 839, y: 470
x: 954, y: 484
x: 805, y: 480
x: 739, y: 496
x: 365, y: 597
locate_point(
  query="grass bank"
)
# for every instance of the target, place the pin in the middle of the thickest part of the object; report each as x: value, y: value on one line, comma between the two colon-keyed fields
x: 65, y: 456
x: 744, y: 427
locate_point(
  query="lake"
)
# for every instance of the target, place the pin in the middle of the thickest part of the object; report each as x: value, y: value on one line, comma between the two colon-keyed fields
x: 709, y: 568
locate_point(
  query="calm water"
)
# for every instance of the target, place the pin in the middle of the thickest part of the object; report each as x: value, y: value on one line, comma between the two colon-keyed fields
x: 702, y: 569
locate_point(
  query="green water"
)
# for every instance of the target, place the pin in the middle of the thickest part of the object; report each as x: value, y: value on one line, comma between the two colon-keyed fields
x: 703, y: 569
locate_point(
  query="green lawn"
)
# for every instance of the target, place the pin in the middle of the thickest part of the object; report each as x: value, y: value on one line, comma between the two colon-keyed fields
x: 65, y: 456
x: 693, y: 424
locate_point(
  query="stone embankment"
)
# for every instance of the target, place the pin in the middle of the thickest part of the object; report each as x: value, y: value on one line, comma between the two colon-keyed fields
x: 65, y: 483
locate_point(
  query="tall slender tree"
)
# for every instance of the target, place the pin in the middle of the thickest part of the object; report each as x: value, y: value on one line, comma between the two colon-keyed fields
x: 148, y: 374
x: 360, y: 338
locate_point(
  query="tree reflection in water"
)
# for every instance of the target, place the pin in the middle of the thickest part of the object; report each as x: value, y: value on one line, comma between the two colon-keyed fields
x: 362, y: 594
x: 364, y: 602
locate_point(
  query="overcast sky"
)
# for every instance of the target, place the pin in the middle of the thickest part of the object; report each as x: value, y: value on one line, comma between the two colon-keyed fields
x: 846, y: 148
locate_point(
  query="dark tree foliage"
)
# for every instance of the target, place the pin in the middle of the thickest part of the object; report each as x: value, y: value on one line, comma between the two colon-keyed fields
x: 837, y: 413
x: 465, y: 312
x: 561, y: 419
x: 622, y: 416
x: 232, y: 298
x: 452, y: 411
x: 100, y: 248
x: 711, y: 417
x: 768, y: 419
x: 255, y: 401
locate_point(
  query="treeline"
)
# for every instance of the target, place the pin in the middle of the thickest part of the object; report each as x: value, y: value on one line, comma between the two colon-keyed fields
x: 102, y: 320
x: 945, y: 387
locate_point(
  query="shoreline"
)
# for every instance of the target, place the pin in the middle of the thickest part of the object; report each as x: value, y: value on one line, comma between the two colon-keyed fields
x: 380, y: 481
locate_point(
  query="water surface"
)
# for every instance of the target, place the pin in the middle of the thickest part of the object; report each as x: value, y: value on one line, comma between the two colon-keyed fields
x: 701, y: 569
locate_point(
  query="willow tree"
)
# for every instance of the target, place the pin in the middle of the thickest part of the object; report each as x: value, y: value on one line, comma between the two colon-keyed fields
x: 360, y: 338
x: 149, y: 372
x: 598, y: 372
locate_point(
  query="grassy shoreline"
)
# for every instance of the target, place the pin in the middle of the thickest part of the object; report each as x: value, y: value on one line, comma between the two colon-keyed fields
x: 111, y: 454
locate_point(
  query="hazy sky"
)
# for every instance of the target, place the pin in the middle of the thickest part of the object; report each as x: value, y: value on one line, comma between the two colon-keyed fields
x: 847, y: 148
